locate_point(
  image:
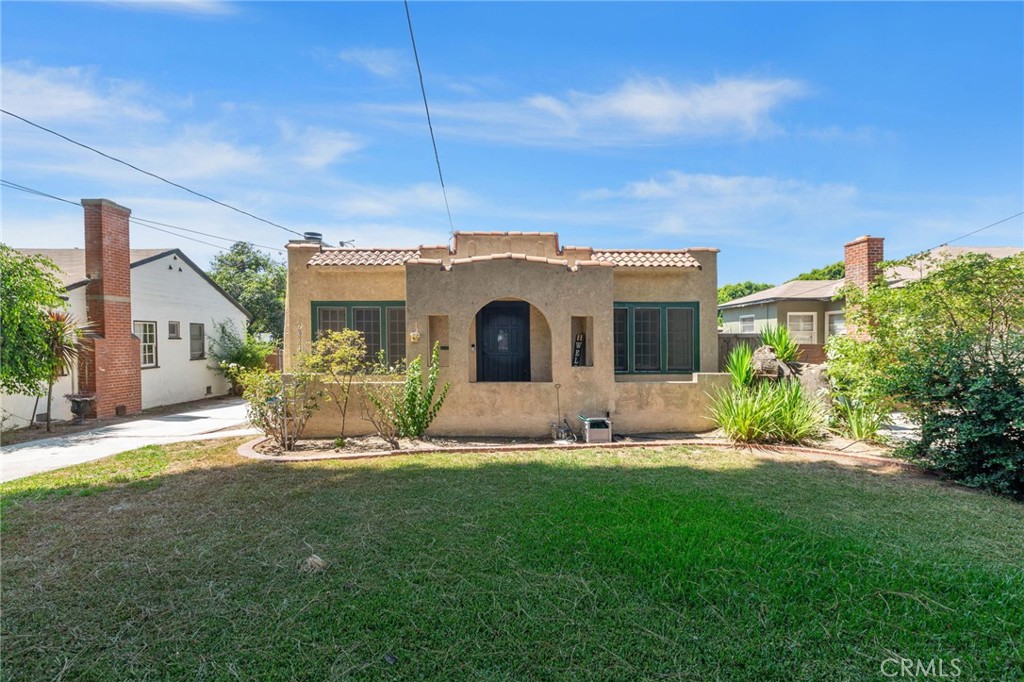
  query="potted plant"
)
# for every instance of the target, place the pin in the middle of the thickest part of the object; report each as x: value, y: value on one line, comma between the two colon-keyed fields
x: 81, y: 404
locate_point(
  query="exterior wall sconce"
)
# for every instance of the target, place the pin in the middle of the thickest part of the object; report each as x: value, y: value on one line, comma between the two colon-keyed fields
x: 414, y: 336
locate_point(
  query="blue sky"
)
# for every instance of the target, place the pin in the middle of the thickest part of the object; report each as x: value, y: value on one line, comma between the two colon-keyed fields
x: 773, y: 131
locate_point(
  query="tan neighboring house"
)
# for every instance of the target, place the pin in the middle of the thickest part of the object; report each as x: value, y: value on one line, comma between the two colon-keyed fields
x: 530, y: 332
x: 807, y: 307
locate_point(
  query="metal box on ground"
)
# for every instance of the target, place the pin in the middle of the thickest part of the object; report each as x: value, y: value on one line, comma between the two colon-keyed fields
x: 596, y: 429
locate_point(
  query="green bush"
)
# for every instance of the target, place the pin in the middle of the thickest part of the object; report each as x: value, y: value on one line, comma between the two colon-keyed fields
x: 235, y: 352
x: 786, y: 349
x: 740, y: 366
x: 418, y: 407
x: 768, y: 412
x: 279, y: 405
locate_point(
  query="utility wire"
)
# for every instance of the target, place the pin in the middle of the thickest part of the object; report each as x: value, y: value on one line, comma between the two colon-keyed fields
x: 152, y: 175
x: 141, y: 222
x: 430, y: 125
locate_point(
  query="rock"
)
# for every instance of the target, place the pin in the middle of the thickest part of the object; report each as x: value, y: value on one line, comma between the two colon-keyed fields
x: 768, y: 366
x: 813, y: 379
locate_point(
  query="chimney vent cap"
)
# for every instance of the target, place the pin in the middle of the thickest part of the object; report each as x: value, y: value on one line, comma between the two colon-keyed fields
x: 313, y: 236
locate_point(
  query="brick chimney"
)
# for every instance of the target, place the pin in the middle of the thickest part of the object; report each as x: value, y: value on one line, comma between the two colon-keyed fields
x: 109, y: 363
x: 863, y: 255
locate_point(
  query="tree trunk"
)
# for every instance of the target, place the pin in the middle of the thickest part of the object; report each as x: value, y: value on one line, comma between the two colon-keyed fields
x: 32, y: 421
x: 49, y: 405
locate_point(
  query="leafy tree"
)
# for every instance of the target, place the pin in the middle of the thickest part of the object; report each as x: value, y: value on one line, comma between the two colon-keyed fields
x: 255, y: 280
x: 29, y: 288
x: 949, y: 349
x: 730, y: 292
x: 833, y: 271
x: 336, y: 357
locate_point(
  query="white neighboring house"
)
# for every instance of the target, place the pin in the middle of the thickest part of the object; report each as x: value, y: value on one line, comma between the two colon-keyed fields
x: 174, y: 307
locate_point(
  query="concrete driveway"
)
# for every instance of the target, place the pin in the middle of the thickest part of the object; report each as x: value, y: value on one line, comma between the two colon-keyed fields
x: 225, y: 420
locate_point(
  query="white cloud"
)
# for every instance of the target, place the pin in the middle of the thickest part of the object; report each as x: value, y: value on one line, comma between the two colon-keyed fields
x: 637, y: 111
x: 386, y: 63
x: 197, y: 7
x: 46, y: 94
x: 317, y: 148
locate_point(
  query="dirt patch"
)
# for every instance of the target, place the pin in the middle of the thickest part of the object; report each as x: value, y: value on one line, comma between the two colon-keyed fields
x: 365, y: 444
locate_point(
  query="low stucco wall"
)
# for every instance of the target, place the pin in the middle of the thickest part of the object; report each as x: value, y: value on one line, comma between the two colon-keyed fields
x: 666, y: 406
x: 528, y: 409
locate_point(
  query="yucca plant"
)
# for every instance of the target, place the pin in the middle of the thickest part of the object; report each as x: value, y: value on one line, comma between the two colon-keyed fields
x: 797, y: 419
x: 860, y: 420
x: 786, y: 349
x: 740, y: 366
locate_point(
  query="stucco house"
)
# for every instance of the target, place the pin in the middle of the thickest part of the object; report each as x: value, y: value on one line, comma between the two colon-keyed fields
x: 807, y: 307
x: 152, y: 311
x: 530, y: 332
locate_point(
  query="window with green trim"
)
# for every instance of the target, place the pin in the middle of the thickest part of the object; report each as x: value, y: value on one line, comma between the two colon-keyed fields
x: 381, y: 322
x: 656, y: 337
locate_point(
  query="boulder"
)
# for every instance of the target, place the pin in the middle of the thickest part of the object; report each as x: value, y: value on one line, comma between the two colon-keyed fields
x: 768, y: 366
x: 813, y: 379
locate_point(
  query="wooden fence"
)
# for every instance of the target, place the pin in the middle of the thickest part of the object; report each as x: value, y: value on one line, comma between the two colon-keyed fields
x: 726, y: 342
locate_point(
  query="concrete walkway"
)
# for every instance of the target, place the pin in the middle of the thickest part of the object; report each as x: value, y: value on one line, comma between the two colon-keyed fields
x: 223, y: 421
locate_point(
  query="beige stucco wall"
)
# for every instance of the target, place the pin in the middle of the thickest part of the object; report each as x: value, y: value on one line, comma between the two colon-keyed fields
x: 443, y: 298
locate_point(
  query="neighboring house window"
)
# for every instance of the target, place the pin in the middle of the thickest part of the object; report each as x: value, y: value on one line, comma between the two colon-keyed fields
x: 174, y: 330
x: 396, y: 334
x: 802, y: 327
x: 621, y: 338
x: 196, y: 341
x: 746, y: 324
x: 656, y: 337
x: 382, y: 324
x: 146, y: 331
x: 836, y: 323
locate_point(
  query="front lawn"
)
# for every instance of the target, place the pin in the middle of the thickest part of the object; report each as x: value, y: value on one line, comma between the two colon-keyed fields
x: 183, y: 563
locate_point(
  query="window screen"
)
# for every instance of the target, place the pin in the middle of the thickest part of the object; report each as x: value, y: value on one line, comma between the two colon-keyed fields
x: 332, y: 319
x: 747, y: 324
x: 367, y: 321
x: 396, y: 334
x: 174, y: 330
x: 680, y: 339
x: 801, y: 327
x: 621, y: 339
x: 647, y: 339
x: 196, y: 341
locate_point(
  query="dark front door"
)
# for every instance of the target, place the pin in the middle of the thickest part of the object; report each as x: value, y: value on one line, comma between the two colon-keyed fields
x: 503, y: 341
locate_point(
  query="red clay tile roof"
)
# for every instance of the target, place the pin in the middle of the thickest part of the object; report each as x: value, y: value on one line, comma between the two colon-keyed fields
x: 364, y: 256
x: 644, y: 258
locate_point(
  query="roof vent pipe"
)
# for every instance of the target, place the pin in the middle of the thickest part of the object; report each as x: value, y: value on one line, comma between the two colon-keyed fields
x: 313, y: 237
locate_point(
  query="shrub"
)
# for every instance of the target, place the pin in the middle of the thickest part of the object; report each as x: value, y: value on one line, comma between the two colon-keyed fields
x: 768, y: 412
x: 402, y: 408
x: 235, y: 352
x: 786, y: 349
x: 740, y: 366
x: 280, y: 405
x: 859, y: 419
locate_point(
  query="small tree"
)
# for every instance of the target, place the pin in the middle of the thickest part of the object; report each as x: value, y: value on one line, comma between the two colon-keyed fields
x: 280, y: 404
x: 28, y: 289
x: 336, y: 357
x: 381, y: 399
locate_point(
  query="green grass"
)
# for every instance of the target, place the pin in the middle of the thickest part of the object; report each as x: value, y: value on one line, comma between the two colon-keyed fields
x: 620, y: 564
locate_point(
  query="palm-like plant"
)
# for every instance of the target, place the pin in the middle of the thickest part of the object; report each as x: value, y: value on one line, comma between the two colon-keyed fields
x: 63, y: 333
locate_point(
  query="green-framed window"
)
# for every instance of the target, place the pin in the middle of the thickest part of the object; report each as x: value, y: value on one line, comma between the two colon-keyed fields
x: 381, y: 322
x: 656, y: 338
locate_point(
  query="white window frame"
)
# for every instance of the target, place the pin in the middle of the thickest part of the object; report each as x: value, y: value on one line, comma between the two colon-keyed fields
x: 814, y: 326
x: 138, y: 328
x: 828, y: 315
x: 753, y: 324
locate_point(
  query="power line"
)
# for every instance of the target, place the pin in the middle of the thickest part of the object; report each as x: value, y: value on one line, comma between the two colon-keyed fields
x: 430, y: 125
x: 142, y: 222
x: 152, y: 175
